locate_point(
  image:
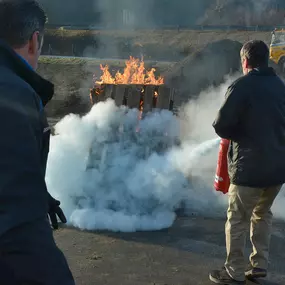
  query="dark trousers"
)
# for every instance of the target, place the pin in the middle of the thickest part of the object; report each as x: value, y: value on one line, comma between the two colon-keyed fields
x: 29, y: 256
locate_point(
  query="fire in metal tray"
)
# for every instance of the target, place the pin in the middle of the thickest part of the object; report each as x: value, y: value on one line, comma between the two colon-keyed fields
x: 135, y: 87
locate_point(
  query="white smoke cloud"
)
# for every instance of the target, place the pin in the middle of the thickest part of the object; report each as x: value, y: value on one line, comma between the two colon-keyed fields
x: 111, y: 172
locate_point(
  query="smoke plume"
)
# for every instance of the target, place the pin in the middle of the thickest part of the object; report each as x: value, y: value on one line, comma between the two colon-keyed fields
x: 112, y: 172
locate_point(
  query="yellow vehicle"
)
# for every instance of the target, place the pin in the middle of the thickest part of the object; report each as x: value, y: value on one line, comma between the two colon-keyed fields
x: 277, y: 48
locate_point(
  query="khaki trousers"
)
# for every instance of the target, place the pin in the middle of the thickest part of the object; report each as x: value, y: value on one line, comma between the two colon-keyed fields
x: 248, y: 207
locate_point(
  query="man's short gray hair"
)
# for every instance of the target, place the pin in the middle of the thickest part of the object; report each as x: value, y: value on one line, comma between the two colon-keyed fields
x: 19, y: 19
x: 256, y: 52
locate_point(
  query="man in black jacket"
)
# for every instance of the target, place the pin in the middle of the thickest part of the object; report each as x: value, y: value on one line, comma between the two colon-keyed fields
x: 28, y: 253
x: 253, y: 119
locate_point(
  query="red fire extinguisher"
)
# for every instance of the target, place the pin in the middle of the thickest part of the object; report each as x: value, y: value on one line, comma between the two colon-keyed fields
x: 222, y: 180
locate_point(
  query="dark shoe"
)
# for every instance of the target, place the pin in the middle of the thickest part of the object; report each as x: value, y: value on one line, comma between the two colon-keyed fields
x: 222, y: 277
x: 254, y: 273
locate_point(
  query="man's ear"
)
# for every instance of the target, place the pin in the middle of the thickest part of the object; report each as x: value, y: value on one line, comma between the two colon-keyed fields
x: 246, y: 63
x: 34, y: 44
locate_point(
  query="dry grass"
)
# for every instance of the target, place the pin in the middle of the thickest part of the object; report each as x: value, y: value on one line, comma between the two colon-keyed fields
x: 169, y: 37
x: 163, y: 45
x: 119, y: 63
x: 63, y: 60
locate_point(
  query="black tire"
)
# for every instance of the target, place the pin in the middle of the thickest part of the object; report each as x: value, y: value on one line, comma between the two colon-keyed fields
x: 281, y: 64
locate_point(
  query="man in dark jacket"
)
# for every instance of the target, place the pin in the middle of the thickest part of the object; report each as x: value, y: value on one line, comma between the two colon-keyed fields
x: 28, y: 253
x: 253, y: 119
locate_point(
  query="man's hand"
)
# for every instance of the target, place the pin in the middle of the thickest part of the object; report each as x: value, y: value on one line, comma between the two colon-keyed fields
x: 54, y: 212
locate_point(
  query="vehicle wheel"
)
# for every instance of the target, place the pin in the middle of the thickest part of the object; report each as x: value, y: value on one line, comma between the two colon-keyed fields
x: 282, y: 65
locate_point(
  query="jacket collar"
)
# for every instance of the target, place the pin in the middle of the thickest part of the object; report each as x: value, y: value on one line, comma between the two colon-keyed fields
x: 27, y: 64
x: 10, y: 59
x: 263, y: 71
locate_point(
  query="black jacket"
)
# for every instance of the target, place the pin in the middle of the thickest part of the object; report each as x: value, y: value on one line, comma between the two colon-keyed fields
x: 24, y: 143
x: 253, y: 118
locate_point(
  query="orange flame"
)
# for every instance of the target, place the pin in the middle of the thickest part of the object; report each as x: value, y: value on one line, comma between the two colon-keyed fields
x: 134, y: 73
